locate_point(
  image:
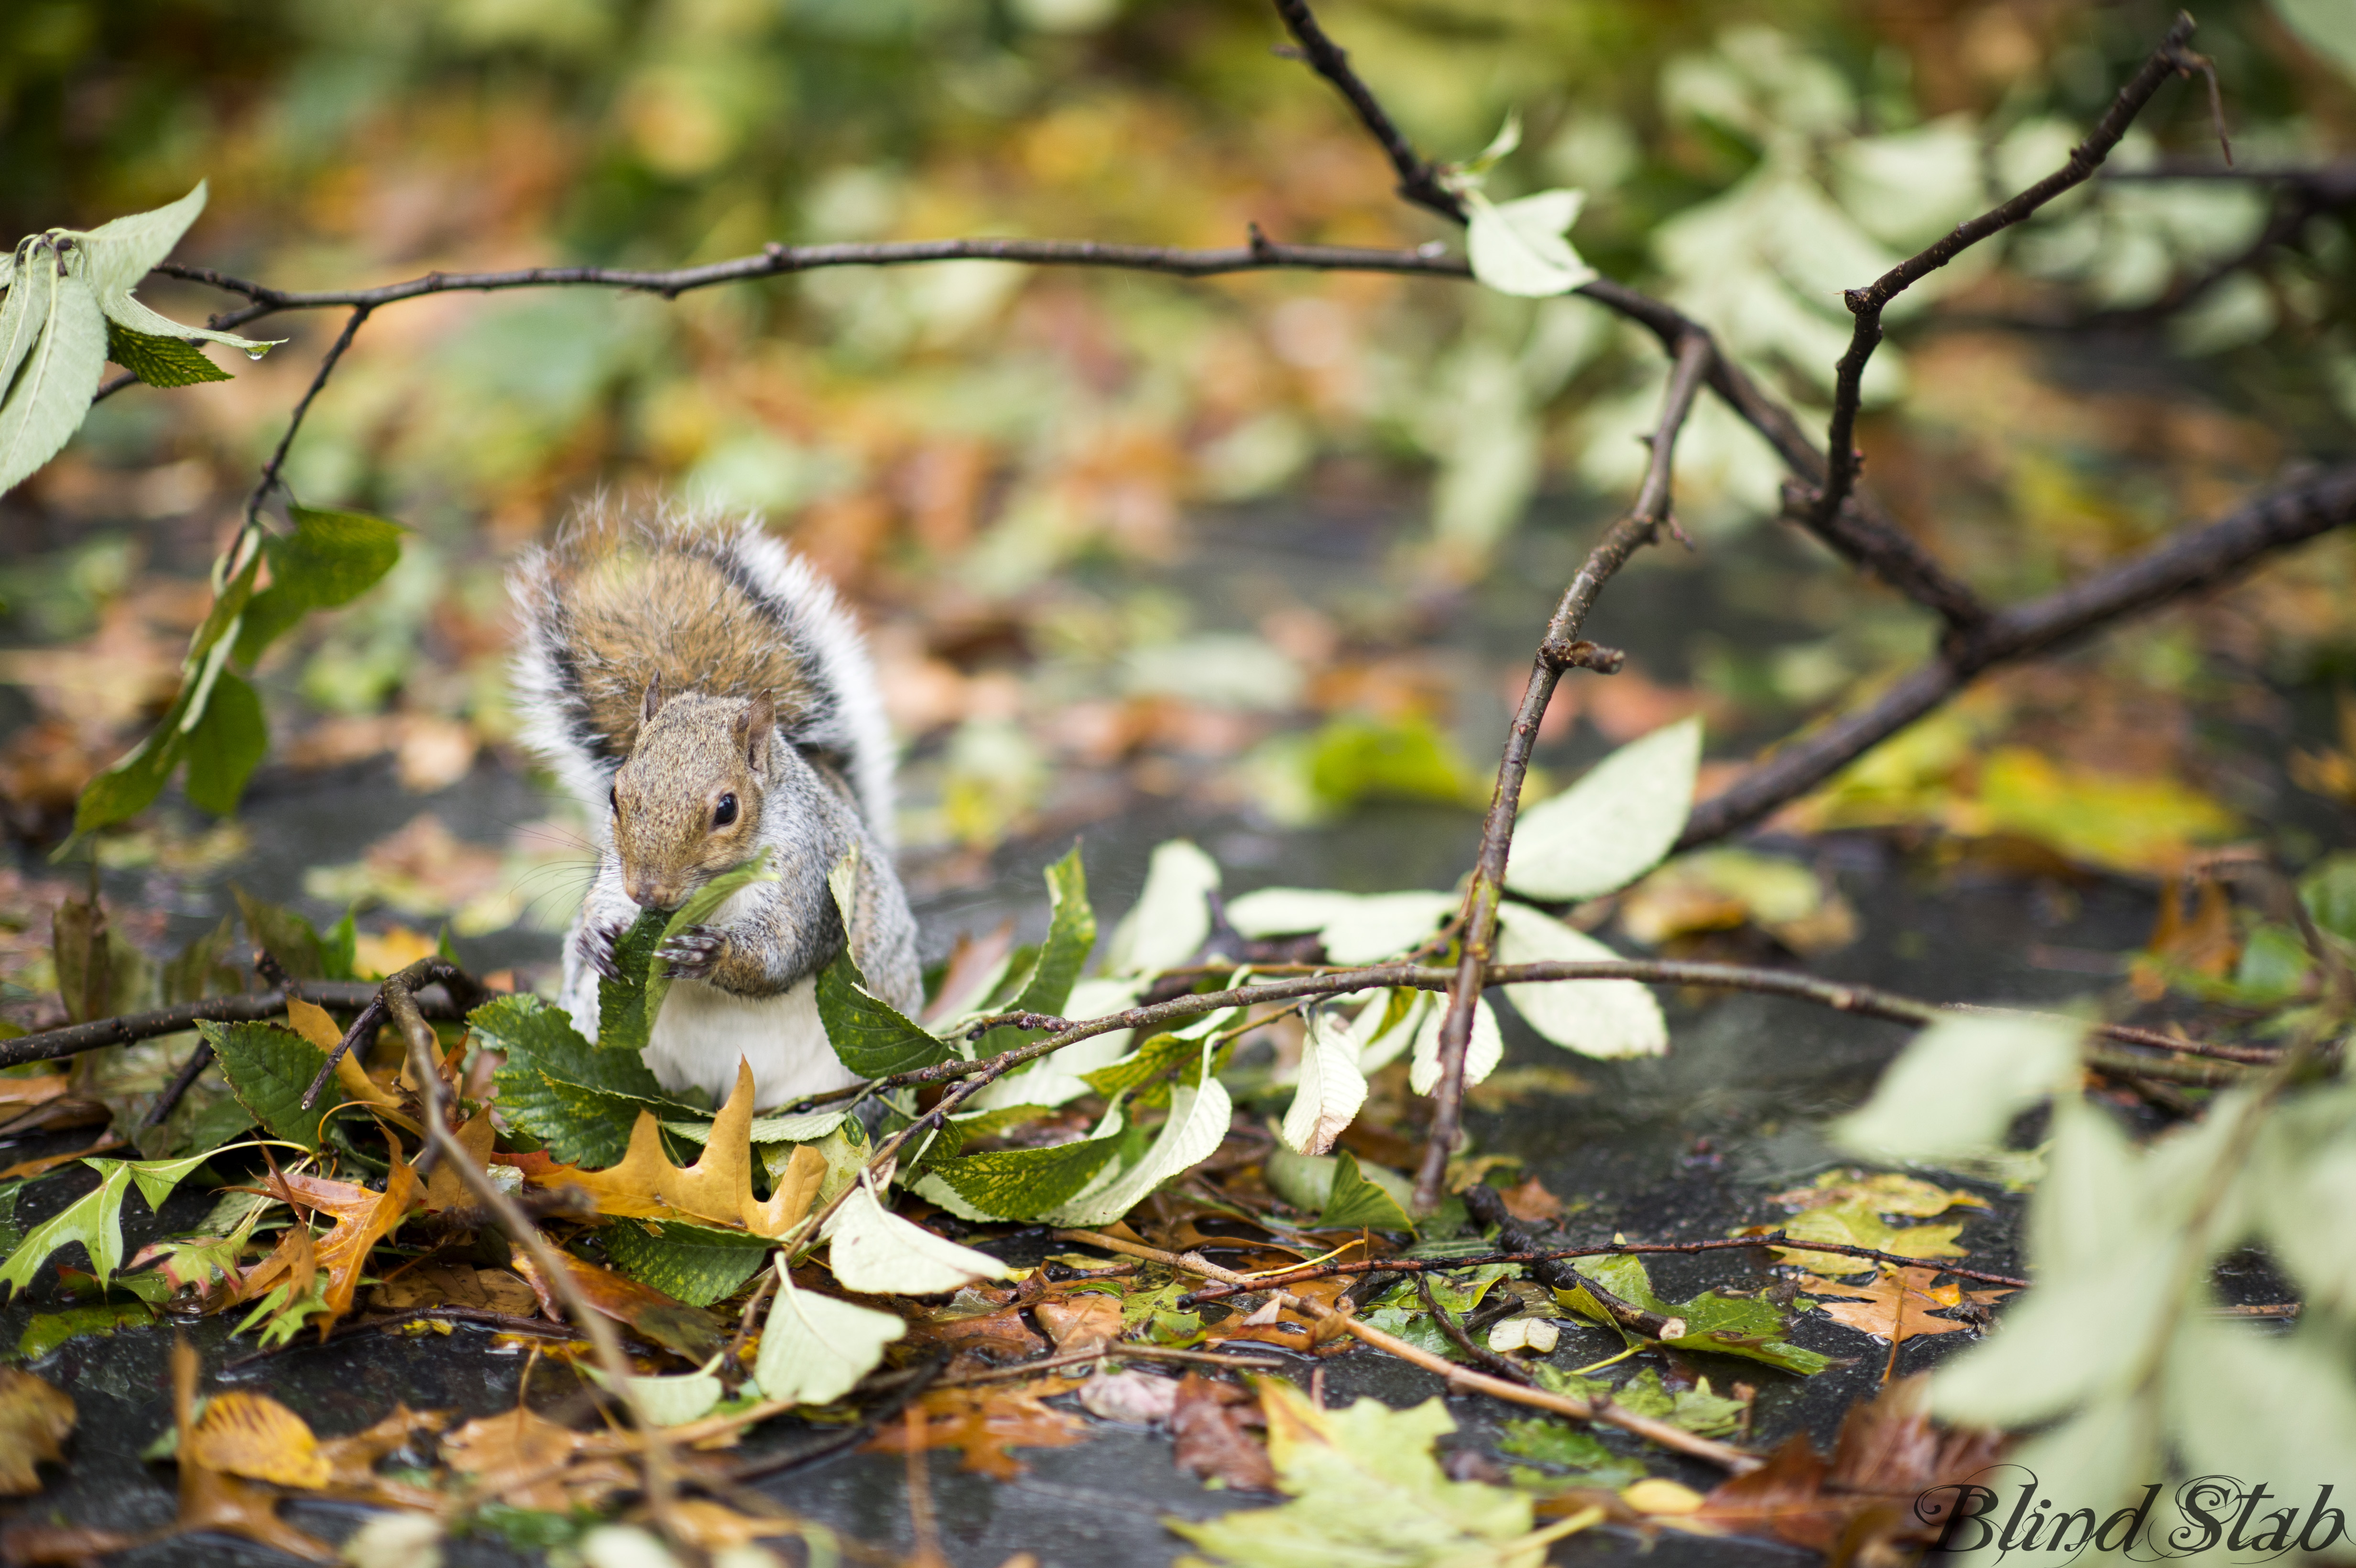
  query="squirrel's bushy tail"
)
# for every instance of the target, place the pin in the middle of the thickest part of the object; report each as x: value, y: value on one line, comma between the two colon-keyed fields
x: 700, y: 602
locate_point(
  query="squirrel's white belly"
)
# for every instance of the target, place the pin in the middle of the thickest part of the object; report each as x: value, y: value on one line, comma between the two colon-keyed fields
x: 701, y: 1032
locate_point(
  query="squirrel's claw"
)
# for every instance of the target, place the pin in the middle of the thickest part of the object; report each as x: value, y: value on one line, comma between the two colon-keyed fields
x: 691, y: 953
x: 597, y: 948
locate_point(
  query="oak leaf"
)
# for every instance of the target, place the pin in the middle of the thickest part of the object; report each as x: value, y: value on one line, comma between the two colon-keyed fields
x: 363, y: 1217
x: 1207, y: 1420
x: 1896, y: 1304
x: 717, y: 1189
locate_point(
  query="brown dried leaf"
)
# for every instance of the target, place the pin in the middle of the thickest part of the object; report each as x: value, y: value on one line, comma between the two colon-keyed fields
x: 1208, y: 1424
x: 717, y: 1189
x: 529, y: 1461
x: 253, y: 1435
x: 456, y: 1284
x: 691, y: 1331
x: 1001, y: 1336
x: 988, y: 1421
x: 1896, y: 1305
x: 1530, y: 1202
x: 443, y: 1187
x: 1086, y: 1321
x: 35, y: 1418
x: 21, y: 1092
x: 715, y: 1527
x: 29, y: 1545
x: 351, y: 1461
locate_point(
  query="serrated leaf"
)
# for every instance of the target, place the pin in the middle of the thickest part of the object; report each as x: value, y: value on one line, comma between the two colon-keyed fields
x: 61, y: 367
x: 716, y: 1190
x: 160, y: 361
x: 1173, y: 914
x: 694, y: 1264
x: 1071, y: 934
x: 25, y: 314
x: 1198, y: 1120
x: 1612, y: 826
x: 579, y: 1101
x: 1331, y: 1088
x: 228, y: 743
x: 629, y: 1005
x: 1595, y: 1018
x: 815, y: 1348
x: 95, y: 1218
x: 1025, y: 1183
x: 1519, y: 247
x: 119, y: 253
x: 269, y: 1068
x: 871, y: 1036
x: 873, y: 1252
x: 1356, y: 1201
x: 1482, y: 1052
x: 331, y: 559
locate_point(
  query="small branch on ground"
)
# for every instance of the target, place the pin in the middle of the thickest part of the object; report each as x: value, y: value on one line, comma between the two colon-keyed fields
x: 337, y: 995
x: 467, y: 993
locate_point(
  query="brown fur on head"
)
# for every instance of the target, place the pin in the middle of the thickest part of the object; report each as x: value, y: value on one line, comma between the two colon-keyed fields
x: 687, y: 803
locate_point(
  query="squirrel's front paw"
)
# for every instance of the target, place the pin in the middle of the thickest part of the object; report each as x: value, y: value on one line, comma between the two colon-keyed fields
x: 597, y: 944
x: 693, y: 954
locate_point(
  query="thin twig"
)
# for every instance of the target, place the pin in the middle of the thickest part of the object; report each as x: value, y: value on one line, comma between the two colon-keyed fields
x: 1867, y: 304
x: 271, y: 469
x: 1113, y: 1352
x: 340, y: 995
x: 2185, y: 562
x: 1419, y: 180
x: 467, y: 993
x: 1640, y: 526
x: 654, y: 1446
x: 1488, y: 1360
x: 177, y: 1089
x: 1661, y: 1432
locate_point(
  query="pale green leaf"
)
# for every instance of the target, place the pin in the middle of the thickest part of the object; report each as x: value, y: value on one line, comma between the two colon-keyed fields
x: 1518, y: 247
x: 1332, y: 1089
x: 873, y: 1252
x: 1357, y: 928
x: 1959, y: 1084
x: 1595, y: 1018
x: 1198, y: 1120
x: 118, y: 254
x: 815, y: 1348
x: 1482, y: 1053
x: 60, y: 370
x: 1612, y: 826
x: 1173, y: 914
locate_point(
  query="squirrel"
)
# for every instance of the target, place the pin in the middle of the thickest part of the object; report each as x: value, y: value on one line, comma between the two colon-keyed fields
x: 705, y: 696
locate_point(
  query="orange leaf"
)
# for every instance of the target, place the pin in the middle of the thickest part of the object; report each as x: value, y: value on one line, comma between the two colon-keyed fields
x: 1896, y: 1306
x: 253, y: 1435
x: 987, y: 1422
x: 530, y: 1462
x: 313, y: 1024
x: 363, y: 1218
x: 717, y: 1189
x: 443, y: 1187
x: 35, y: 1418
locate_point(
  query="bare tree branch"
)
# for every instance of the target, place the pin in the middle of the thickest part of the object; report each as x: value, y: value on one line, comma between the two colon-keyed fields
x: 1418, y: 178
x: 2198, y: 559
x: 1867, y: 304
x: 51, y: 1044
x: 272, y: 469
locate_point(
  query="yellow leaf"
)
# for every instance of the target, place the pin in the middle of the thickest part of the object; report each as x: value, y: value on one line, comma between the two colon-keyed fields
x: 252, y: 1434
x: 313, y: 1023
x: 717, y: 1189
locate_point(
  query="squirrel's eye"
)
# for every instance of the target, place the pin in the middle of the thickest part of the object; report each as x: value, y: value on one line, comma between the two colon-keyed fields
x: 725, y: 812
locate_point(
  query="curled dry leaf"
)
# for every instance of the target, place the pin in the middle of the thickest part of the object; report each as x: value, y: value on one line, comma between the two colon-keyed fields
x: 528, y: 1461
x: 456, y: 1284
x: 691, y: 1331
x: 717, y: 1189
x: 1208, y: 1420
x: 1138, y: 1397
x: 35, y: 1418
x: 987, y: 1422
x: 353, y: 1086
x: 1081, y: 1322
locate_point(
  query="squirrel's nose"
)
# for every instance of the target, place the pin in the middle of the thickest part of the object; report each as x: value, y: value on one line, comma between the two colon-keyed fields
x: 643, y: 894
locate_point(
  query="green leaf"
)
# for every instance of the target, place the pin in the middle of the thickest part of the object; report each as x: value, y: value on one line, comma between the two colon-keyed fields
x: 129, y: 786
x: 1519, y: 247
x: 1367, y: 1489
x: 160, y: 361
x: 95, y: 1218
x: 815, y: 1348
x: 1612, y: 826
x: 1959, y: 1084
x: 1604, y: 1018
x: 269, y: 1067
x: 1071, y: 932
x: 50, y: 1329
x: 1157, y: 1056
x: 871, y: 1036
x: 62, y: 366
x: 687, y: 1262
x: 1026, y: 1183
x: 1356, y: 1200
x: 873, y: 1252
x: 1742, y: 1326
x: 629, y: 1005
x: 331, y: 559
x: 115, y: 258
x: 226, y: 746
x: 1173, y: 914
x: 338, y: 947
x: 1199, y: 1117
x: 2327, y: 27
x: 579, y: 1101
x: 1560, y: 1443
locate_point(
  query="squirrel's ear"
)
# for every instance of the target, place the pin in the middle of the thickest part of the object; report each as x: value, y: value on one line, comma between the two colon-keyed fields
x: 654, y: 699
x: 757, y: 726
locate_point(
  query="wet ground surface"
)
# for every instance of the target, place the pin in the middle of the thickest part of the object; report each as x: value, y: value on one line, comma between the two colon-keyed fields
x: 1683, y: 1148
